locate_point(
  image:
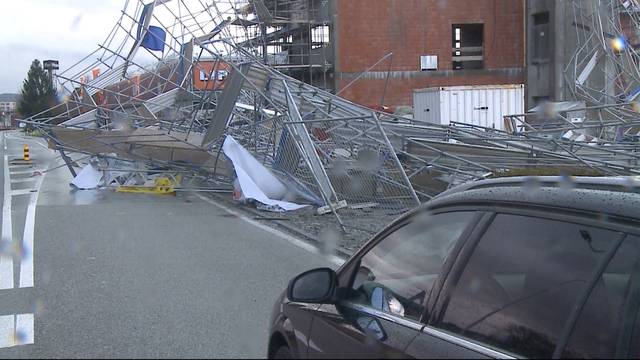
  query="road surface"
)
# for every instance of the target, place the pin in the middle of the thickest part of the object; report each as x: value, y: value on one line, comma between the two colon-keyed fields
x: 101, y: 274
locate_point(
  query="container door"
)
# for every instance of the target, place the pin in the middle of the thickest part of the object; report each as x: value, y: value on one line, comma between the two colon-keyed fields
x: 456, y: 106
x: 480, y: 107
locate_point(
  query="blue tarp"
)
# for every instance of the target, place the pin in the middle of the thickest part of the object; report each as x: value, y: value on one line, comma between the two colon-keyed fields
x: 155, y: 37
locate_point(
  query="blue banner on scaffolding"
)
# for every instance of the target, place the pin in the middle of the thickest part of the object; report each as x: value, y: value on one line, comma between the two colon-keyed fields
x: 155, y: 37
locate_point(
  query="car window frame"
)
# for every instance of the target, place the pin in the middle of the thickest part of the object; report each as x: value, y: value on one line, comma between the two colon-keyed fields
x: 492, y: 211
x: 348, y: 270
x: 631, y: 314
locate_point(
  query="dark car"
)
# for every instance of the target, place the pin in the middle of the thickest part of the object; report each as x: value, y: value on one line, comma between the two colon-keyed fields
x: 496, y: 269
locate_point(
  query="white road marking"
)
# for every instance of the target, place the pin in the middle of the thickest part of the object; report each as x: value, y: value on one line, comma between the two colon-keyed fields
x: 30, y: 172
x: 26, y: 262
x: 24, y: 329
x: 20, y: 181
x: 16, y: 330
x: 6, y: 259
x: 7, y: 330
x: 37, y: 141
x: 22, y: 192
x: 336, y: 260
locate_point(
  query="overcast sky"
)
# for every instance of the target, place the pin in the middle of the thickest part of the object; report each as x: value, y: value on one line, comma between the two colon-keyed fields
x: 64, y: 30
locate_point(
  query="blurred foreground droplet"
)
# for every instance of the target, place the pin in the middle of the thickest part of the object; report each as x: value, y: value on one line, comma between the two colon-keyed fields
x: 567, y: 182
x: 20, y: 337
x: 329, y: 240
x: 631, y: 183
x: 369, y: 160
x: 532, y: 184
x: 38, y: 307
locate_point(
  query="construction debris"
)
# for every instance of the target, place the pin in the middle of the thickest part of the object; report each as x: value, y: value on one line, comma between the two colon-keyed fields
x: 209, y: 98
x: 161, y: 186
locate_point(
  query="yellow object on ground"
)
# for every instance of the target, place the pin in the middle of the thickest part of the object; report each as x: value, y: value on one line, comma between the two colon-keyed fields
x: 26, y: 152
x: 162, y: 186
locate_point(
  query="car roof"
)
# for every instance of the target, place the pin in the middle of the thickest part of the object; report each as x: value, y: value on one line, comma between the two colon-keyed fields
x: 620, y: 183
x: 618, y: 197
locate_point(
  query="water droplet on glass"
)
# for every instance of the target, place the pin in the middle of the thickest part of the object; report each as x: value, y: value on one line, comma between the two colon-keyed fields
x: 340, y: 167
x: 38, y: 307
x: 532, y: 184
x: 329, y: 240
x: 567, y: 182
x: 20, y: 337
x: 631, y: 183
x: 356, y: 185
x: 369, y: 160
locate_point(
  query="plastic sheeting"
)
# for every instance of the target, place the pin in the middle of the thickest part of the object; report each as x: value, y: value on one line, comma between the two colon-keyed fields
x: 88, y: 178
x: 255, y: 180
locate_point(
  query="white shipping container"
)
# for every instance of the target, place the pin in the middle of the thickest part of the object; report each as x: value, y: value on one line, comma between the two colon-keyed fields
x: 483, y: 105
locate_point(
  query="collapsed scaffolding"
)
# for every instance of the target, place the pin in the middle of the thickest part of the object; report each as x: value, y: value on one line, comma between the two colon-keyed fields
x: 206, y: 81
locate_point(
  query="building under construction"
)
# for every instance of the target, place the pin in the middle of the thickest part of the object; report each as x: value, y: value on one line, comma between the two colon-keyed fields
x: 293, y: 36
x: 391, y: 48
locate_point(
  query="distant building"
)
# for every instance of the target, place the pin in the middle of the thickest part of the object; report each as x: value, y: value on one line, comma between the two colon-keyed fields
x: 9, y: 103
x: 8, y: 108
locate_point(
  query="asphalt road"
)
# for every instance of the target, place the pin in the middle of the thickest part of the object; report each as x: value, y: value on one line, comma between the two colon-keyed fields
x: 122, y: 275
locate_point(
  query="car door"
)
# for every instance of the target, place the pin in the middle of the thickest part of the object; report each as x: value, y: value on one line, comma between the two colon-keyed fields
x: 530, y: 287
x: 386, y: 288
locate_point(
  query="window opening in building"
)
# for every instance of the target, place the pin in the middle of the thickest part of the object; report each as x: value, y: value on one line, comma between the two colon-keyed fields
x: 468, y: 46
x: 541, y: 36
x: 319, y: 36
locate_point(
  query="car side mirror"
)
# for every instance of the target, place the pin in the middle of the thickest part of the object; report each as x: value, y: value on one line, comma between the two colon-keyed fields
x: 315, y: 287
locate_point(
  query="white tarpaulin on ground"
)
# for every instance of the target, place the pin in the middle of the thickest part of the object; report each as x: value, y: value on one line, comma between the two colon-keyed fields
x: 88, y: 178
x: 256, y: 181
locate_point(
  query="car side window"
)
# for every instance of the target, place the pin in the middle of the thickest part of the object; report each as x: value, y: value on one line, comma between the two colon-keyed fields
x: 397, y: 275
x: 521, y: 282
x: 601, y: 321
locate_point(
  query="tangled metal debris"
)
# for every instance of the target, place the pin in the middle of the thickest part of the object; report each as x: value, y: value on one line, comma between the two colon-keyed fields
x: 207, y: 81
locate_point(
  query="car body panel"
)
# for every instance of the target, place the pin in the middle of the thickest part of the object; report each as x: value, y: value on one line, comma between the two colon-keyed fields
x: 337, y: 331
x: 349, y: 331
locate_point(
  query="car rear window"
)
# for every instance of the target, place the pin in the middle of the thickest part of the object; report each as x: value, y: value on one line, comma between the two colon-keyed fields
x: 518, y: 288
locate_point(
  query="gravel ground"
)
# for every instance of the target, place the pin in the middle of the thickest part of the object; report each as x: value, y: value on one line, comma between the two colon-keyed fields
x: 323, y: 230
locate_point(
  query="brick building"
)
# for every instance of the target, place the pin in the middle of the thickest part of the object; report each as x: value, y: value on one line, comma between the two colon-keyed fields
x: 490, y: 34
x: 329, y: 43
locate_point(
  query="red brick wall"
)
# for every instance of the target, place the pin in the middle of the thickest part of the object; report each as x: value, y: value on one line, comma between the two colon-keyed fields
x: 367, y: 30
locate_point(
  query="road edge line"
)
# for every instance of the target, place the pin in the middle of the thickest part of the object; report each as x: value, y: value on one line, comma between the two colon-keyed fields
x: 6, y: 259
x: 336, y: 260
x: 28, y: 238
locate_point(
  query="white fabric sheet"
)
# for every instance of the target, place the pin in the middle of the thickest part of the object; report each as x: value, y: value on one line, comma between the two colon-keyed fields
x: 88, y: 178
x: 256, y: 181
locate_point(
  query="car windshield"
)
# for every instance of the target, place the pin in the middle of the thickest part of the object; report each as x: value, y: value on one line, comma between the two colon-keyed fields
x: 169, y: 166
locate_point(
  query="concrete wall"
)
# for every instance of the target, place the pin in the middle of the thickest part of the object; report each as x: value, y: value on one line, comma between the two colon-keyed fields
x: 554, y: 78
x: 367, y: 30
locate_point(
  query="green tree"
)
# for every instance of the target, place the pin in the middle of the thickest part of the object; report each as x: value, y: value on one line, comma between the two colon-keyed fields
x: 38, y: 94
